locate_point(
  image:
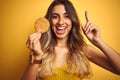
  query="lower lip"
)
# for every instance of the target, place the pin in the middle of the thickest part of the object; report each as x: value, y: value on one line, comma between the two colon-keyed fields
x: 60, y: 31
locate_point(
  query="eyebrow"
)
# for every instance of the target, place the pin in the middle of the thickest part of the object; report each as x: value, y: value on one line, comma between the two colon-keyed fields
x: 57, y: 13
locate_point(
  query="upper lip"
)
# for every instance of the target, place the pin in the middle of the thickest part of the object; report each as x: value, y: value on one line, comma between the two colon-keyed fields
x: 61, y: 27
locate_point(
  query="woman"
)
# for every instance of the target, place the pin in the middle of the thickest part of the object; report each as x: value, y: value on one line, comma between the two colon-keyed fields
x: 63, y: 51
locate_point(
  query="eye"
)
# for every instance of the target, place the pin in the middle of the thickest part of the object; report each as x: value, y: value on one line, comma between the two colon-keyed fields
x: 54, y: 16
x: 66, y: 16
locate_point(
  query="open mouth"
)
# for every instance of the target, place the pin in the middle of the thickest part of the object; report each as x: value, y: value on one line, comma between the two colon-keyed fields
x: 60, y: 30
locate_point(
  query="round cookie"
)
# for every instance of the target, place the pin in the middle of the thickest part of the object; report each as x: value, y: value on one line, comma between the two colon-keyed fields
x: 42, y: 25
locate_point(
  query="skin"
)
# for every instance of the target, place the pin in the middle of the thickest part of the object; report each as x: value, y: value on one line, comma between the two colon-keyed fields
x: 107, y: 58
x: 60, y: 19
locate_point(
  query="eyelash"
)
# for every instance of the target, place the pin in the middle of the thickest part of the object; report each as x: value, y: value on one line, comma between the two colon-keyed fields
x: 56, y: 16
x: 67, y: 16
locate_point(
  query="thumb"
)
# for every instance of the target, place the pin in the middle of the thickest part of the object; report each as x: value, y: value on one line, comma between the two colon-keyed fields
x: 82, y: 26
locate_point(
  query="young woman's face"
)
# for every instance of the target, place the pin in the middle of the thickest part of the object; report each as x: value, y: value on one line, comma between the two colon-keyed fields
x: 61, y: 22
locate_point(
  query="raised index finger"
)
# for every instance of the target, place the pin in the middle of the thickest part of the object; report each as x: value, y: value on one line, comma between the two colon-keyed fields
x: 87, y: 16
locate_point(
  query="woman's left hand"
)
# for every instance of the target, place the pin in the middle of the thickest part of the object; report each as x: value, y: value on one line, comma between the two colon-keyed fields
x: 91, y: 31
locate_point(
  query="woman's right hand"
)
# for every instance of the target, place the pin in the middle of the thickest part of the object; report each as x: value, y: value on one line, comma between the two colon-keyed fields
x: 33, y: 43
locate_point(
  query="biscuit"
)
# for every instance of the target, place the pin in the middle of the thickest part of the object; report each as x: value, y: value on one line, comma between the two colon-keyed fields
x: 42, y: 25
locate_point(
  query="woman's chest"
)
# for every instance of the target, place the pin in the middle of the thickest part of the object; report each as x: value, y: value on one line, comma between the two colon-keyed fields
x: 61, y: 56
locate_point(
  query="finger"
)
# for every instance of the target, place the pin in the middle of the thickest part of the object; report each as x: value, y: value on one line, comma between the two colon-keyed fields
x: 32, y: 37
x: 87, y: 16
x: 36, y: 37
x: 34, y: 34
x: 89, y: 28
x: 87, y: 25
x: 27, y: 43
x: 82, y: 26
x: 36, y: 41
x: 31, y: 41
x: 93, y: 29
x: 38, y: 31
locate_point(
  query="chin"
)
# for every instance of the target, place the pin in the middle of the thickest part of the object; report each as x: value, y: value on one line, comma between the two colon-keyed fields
x: 61, y: 36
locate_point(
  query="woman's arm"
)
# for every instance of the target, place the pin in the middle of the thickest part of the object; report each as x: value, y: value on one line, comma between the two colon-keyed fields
x: 33, y: 43
x: 103, y: 60
x: 106, y: 57
x: 31, y: 72
x: 112, y: 55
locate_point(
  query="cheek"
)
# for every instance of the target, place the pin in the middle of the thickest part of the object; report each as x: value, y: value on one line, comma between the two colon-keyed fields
x: 53, y: 25
x: 54, y: 22
x: 69, y: 22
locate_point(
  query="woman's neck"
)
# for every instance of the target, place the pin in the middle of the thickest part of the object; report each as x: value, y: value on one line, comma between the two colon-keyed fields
x: 61, y: 43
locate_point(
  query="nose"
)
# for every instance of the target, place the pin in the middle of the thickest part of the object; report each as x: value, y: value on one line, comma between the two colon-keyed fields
x: 61, y: 21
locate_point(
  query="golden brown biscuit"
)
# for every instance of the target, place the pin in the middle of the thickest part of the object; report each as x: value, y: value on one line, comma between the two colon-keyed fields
x: 42, y: 25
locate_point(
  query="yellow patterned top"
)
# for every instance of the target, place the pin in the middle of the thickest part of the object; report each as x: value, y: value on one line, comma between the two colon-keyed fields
x: 62, y: 75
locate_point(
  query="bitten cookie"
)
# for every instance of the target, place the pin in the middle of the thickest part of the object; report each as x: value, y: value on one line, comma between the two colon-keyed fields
x: 42, y: 25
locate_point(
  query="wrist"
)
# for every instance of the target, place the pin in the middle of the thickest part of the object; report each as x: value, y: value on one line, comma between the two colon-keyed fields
x: 35, y: 59
x: 99, y: 43
x: 96, y: 41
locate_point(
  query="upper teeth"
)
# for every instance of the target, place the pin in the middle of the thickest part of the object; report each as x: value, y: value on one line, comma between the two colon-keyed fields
x: 60, y: 27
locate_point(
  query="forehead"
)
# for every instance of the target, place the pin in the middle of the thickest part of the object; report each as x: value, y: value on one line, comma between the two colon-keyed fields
x: 59, y: 9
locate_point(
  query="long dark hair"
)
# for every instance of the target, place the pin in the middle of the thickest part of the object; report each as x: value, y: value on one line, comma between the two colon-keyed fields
x: 77, y: 61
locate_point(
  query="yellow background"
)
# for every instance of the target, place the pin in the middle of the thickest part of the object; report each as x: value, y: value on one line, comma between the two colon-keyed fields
x: 17, y: 19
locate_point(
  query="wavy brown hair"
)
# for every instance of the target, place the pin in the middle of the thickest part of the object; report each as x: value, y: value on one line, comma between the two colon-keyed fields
x: 76, y: 60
